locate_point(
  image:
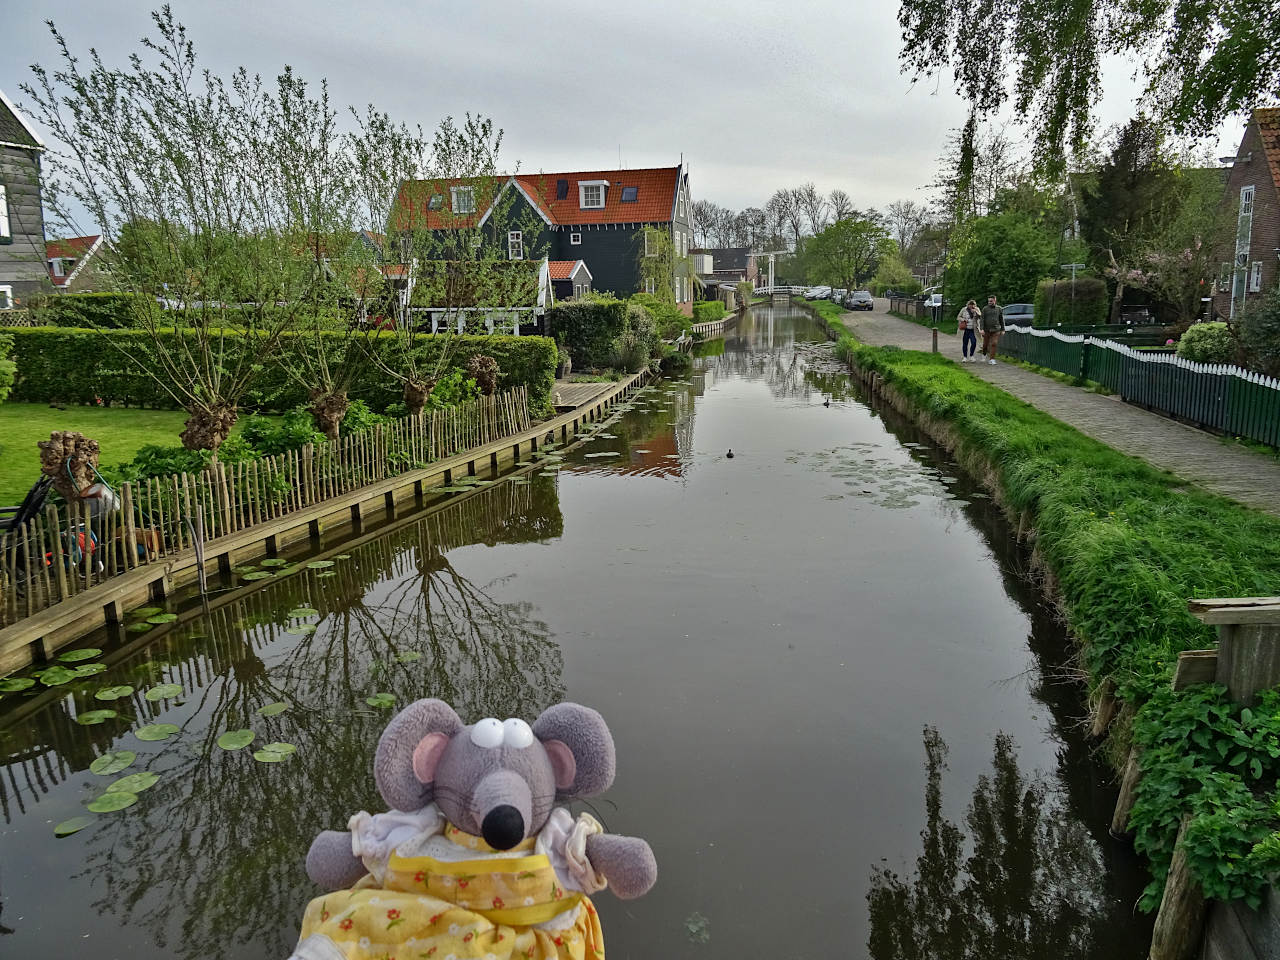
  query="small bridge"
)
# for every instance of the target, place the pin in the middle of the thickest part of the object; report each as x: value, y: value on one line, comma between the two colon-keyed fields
x: 778, y: 292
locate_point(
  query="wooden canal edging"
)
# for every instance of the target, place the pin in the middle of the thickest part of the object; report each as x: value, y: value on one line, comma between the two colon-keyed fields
x: 714, y: 328
x: 39, y: 636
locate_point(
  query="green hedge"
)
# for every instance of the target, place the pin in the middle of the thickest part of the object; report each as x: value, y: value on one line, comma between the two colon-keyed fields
x: 110, y: 311
x: 1055, y: 304
x: 79, y: 366
x: 7, y: 366
x: 588, y: 330
x: 707, y: 311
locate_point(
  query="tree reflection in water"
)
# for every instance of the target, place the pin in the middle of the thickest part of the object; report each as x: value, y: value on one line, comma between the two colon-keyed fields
x: 1029, y: 887
x: 212, y: 855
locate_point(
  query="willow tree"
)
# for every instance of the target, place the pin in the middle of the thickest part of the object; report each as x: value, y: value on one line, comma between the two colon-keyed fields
x: 217, y: 200
x: 1201, y: 61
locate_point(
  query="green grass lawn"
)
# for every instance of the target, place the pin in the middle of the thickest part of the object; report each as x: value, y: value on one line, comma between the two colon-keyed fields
x: 119, y: 432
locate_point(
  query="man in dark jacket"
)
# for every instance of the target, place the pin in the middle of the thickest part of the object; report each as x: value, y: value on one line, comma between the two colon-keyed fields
x: 992, y: 327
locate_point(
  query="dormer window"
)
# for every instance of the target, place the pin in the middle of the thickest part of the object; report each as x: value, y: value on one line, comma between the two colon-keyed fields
x: 630, y: 194
x: 591, y: 194
x: 464, y: 199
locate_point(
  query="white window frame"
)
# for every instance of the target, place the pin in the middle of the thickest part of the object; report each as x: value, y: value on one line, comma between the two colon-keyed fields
x: 515, y: 245
x: 584, y: 186
x: 1255, y: 277
x: 648, y: 285
x: 55, y: 267
x: 476, y: 241
x: 649, y: 248
x: 1246, y: 201
x: 575, y: 239
x: 462, y: 199
x: 6, y: 296
x: 6, y: 233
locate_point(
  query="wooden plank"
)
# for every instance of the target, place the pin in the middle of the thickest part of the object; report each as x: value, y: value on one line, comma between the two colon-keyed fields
x: 1225, y: 934
x: 1195, y: 666
x: 1128, y: 793
x: 1179, y: 925
x: 1236, y: 610
x: 1248, y: 659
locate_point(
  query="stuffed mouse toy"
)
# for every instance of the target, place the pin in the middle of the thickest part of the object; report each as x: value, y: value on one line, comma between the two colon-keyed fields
x: 474, y: 859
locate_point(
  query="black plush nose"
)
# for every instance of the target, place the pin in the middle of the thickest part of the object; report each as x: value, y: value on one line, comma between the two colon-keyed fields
x: 503, y: 827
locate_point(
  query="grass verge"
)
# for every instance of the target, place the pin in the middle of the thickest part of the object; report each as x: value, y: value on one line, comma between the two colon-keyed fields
x: 1124, y: 546
x: 945, y: 325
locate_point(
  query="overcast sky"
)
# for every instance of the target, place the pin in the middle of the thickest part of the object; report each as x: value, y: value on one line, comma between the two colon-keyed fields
x: 754, y: 95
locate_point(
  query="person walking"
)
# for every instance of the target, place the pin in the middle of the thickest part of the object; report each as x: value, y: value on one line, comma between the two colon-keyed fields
x: 967, y: 323
x: 992, y: 327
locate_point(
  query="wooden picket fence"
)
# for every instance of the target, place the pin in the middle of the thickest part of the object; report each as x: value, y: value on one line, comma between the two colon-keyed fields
x: 66, y: 550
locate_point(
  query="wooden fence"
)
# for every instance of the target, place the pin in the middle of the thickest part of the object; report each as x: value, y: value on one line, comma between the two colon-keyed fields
x: 1218, y: 396
x: 67, y: 550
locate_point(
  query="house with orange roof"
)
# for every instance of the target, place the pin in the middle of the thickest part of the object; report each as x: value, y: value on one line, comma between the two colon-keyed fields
x: 630, y: 228
x: 22, y: 268
x: 1253, y: 187
x: 68, y: 261
x: 569, y: 278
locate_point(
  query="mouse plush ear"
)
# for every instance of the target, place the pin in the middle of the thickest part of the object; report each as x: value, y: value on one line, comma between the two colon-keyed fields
x: 409, y: 751
x: 580, y: 747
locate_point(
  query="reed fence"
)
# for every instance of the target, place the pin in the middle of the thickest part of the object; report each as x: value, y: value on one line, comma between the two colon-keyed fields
x: 68, y: 548
x: 1217, y: 396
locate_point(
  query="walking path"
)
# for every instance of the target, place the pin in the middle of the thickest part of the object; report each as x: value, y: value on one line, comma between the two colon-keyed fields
x: 1202, y: 458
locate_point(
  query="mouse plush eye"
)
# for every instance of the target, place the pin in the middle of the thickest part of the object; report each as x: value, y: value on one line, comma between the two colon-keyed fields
x: 487, y: 733
x: 516, y: 733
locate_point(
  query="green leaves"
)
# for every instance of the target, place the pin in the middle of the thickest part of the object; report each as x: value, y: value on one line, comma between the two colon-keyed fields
x: 74, y: 656
x: 156, y: 731
x: 67, y: 827
x: 56, y: 676
x: 110, y: 802
x: 93, y: 717
x: 164, y: 691
x: 162, y: 618
x: 303, y: 612
x: 112, y: 762
x: 273, y: 709
x: 275, y: 752
x: 114, y: 693
x: 15, y: 684
x: 134, y: 783
x: 236, y: 739
x: 382, y: 701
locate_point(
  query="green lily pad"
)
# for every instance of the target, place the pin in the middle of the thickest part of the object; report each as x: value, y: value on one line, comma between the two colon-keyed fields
x: 67, y: 827
x: 162, y: 618
x: 134, y: 783
x: 145, y: 612
x: 245, y: 569
x: 303, y: 612
x: 140, y: 627
x: 14, y: 684
x: 275, y: 562
x: 381, y: 700
x: 273, y: 709
x: 91, y: 717
x: 236, y: 739
x: 289, y: 570
x: 114, y: 693
x: 281, y: 747
x: 110, y: 802
x: 89, y: 669
x: 156, y: 731
x: 260, y: 575
x: 320, y: 564
x: 275, y: 752
x: 163, y: 691
x: 326, y: 573
x: 409, y: 656
x: 75, y: 656
x: 56, y: 676
x: 112, y: 762
x: 343, y: 556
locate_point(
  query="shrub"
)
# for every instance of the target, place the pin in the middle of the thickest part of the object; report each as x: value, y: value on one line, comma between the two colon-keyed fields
x: 1259, y: 334
x: 637, y: 342
x: 1055, y: 303
x: 668, y: 321
x: 1207, y: 343
x: 272, y: 435
x: 8, y: 369
x: 484, y: 371
x: 103, y: 311
x: 708, y: 310
x: 588, y: 329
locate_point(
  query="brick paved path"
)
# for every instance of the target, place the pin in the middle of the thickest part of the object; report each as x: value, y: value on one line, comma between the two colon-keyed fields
x: 1202, y: 458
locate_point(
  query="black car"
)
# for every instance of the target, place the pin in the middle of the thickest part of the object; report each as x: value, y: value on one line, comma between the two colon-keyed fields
x: 861, y: 300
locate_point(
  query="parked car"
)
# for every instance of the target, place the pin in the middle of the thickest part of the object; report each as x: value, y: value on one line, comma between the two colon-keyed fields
x: 861, y: 300
x: 1020, y: 313
x: 932, y: 302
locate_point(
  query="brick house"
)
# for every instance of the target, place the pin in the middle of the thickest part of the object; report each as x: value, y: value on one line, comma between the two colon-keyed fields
x: 1253, y: 188
x: 22, y: 253
x: 69, y: 263
x: 605, y: 218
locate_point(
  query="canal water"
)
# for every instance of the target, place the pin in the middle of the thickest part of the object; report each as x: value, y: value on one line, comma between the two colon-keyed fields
x: 845, y: 719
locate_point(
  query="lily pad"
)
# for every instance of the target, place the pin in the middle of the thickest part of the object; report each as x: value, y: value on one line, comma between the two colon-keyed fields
x: 163, y: 618
x: 236, y: 739
x: 145, y: 612
x: 110, y: 802
x: 326, y: 573
x: 140, y: 627
x: 319, y: 564
x: 273, y: 709
x: 303, y: 612
x: 156, y: 731
x: 67, y: 827
x: 91, y: 717
x: 382, y: 701
x: 343, y: 556
x: 134, y: 783
x: 275, y: 562
x: 75, y: 656
x: 274, y: 752
x: 14, y: 684
x: 301, y: 629
x: 280, y: 747
x: 409, y: 656
x: 112, y: 762
x: 260, y: 575
x: 89, y: 669
x: 56, y: 676
x: 163, y: 691
x: 114, y: 693
x: 249, y: 568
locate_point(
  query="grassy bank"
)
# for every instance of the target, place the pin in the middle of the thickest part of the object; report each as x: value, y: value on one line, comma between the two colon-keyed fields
x: 945, y: 325
x: 1124, y: 546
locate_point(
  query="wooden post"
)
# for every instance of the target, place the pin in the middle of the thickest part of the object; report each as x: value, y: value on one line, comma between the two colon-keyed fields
x: 1106, y: 709
x: 1248, y: 643
x: 1180, y: 923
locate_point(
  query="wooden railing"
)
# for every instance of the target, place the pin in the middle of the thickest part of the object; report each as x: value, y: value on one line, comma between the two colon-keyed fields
x: 68, y: 549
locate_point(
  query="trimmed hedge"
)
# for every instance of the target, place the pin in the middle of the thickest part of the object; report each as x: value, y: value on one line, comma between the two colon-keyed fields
x: 1090, y: 305
x: 588, y: 330
x: 79, y: 366
x: 109, y: 311
x: 7, y: 366
x: 706, y: 311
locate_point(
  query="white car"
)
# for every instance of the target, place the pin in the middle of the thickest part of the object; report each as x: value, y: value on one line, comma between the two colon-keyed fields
x: 933, y: 302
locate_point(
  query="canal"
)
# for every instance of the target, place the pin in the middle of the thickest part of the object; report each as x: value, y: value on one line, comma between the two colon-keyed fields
x: 845, y: 718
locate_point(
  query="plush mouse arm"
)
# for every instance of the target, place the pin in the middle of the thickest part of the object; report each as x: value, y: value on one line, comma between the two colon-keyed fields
x: 626, y: 862
x: 330, y: 862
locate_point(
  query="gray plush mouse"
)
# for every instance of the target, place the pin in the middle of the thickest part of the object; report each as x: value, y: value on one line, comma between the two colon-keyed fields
x: 474, y: 858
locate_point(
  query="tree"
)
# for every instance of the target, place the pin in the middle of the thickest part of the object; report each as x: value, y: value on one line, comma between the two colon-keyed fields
x: 848, y: 252
x: 842, y: 207
x: 785, y: 210
x: 906, y: 219
x: 755, y: 227
x: 814, y: 206
x: 1006, y: 256
x: 1201, y: 62
x: 703, y: 214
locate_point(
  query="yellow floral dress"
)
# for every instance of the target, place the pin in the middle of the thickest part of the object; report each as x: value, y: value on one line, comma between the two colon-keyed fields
x: 510, y: 905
